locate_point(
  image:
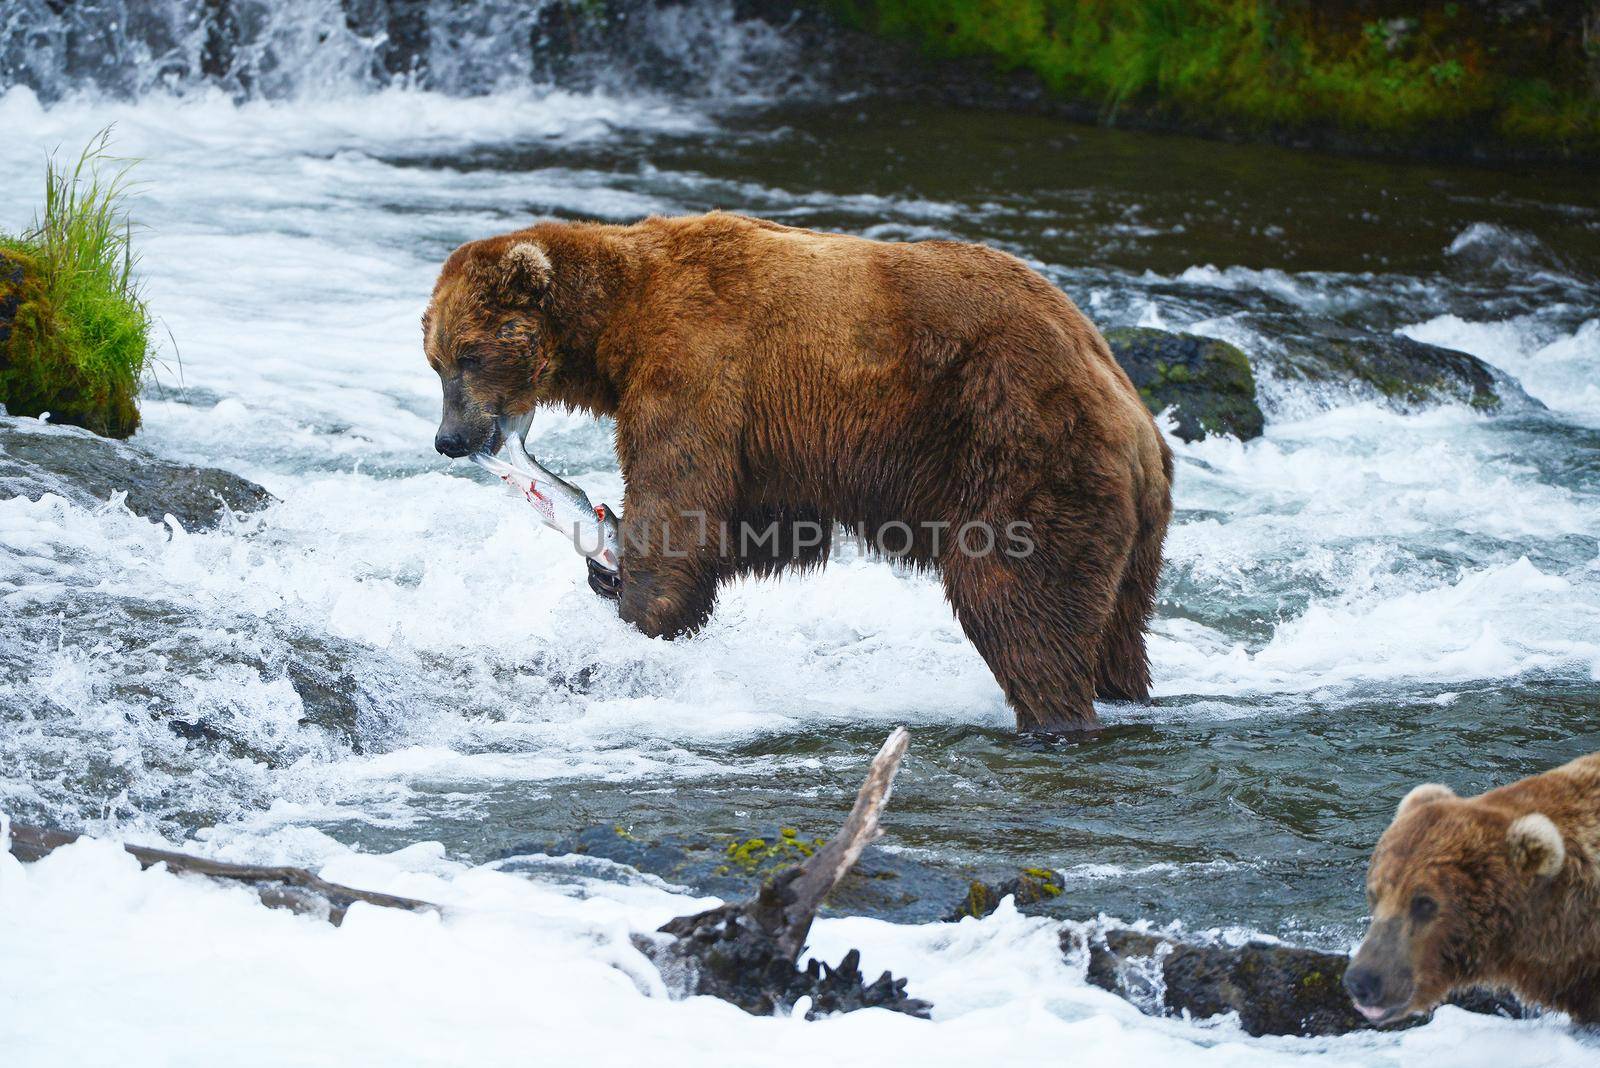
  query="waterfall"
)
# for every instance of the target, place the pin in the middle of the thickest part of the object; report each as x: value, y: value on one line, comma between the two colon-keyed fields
x: 295, y: 48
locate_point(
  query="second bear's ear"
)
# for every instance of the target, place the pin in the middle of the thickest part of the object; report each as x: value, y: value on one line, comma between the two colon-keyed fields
x: 515, y: 275
x: 1421, y: 795
x: 1535, y: 845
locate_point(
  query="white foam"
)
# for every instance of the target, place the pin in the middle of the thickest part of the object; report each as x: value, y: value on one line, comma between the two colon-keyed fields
x: 520, y: 968
x: 1560, y: 368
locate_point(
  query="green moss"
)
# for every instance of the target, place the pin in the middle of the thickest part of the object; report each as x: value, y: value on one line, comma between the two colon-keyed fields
x: 979, y: 902
x: 77, y: 332
x: 1031, y: 886
x: 1041, y: 883
x: 1172, y: 374
x: 1210, y: 383
x: 753, y: 855
x: 1383, y: 71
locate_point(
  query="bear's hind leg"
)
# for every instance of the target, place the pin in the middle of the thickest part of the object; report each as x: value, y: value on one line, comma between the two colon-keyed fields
x: 1123, y: 671
x: 1039, y: 619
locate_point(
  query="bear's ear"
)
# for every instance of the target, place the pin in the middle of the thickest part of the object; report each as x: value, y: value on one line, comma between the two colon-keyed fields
x: 513, y: 275
x: 1421, y: 795
x: 1535, y: 845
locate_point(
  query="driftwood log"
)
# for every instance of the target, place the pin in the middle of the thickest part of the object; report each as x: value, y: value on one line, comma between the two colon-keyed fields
x: 747, y: 953
x: 278, y: 887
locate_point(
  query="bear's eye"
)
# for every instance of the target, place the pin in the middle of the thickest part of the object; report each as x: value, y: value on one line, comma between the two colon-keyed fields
x: 467, y: 363
x: 1423, y: 908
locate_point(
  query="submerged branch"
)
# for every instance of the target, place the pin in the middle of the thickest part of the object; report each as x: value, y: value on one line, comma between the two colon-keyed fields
x: 746, y: 952
x: 278, y: 887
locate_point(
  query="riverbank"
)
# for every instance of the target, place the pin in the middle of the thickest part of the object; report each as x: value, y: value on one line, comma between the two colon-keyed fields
x: 1483, y: 81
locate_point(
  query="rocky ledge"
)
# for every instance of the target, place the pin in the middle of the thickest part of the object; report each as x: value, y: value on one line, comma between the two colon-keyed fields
x: 1212, y: 386
x: 38, y: 458
x: 1275, y: 989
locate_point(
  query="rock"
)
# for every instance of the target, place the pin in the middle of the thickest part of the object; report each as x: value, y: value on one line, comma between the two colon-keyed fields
x: 1031, y: 886
x: 881, y: 885
x: 1393, y: 369
x: 1208, y: 383
x: 1275, y: 989
x: 38, y: 458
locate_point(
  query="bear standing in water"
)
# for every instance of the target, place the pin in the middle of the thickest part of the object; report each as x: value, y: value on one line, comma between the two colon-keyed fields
x: 767, y: 382
x: 1499, y: 890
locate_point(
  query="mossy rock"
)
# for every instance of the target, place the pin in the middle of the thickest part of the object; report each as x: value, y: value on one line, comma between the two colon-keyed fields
x: 1209, y: 384
x: 40, y: 372
x: 11, y: 268
x: 1396, y: 371
x: 884, y: 885
x: 1275, y: 989
x: 1029, y: 888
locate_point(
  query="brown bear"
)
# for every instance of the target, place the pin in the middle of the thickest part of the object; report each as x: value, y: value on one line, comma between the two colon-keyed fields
x: 939, y: 400
x: 1499, y: 890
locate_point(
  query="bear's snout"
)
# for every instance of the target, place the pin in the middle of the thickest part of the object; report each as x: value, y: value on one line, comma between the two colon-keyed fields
x: 1381, y: 993
x: 457, y: 438
x: 1364, y: 985
x: 451, y: 443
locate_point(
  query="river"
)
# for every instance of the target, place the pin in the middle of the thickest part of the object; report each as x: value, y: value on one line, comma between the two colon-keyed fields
x: 1363, y: 599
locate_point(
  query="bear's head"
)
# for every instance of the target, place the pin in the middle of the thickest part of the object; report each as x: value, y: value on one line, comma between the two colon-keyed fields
x: 486, y: 337
x: 1443, y: 886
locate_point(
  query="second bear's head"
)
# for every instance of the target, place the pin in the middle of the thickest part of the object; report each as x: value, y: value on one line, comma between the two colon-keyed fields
x: 1449, y: 886
x: 488, y: 336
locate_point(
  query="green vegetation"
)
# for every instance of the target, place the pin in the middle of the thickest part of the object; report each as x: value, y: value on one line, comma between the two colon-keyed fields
x: 74, y: 331
x: 755, y: 855
x: 1371, y: 72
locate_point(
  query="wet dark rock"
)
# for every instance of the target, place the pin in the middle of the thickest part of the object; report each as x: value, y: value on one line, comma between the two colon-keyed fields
x: 1393, y: 369
x: 1030, y: 887
x: 1275, y: 989
x: 1212, y: 386
x: 882, y: 885
x: 38, y: 458
x: 1208, y: 383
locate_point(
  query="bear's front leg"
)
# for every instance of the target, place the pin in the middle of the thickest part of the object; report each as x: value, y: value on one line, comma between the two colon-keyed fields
x: 669, y: 566
x: 680, y: 462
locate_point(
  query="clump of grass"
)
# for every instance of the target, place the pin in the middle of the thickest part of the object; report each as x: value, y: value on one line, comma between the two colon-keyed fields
x: 78, y: 335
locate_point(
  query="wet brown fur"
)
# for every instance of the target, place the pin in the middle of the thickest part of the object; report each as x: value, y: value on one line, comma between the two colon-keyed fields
x: 758, y: 372
x: 1499, y: 922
